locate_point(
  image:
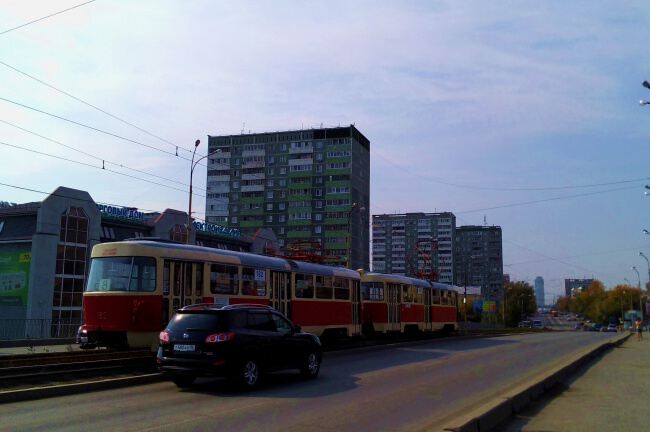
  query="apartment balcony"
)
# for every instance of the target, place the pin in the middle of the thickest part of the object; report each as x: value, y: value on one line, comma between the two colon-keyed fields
x: 257, y: 176
x: 305, y: 161
x: 253, y: 188
x: 248, y: 153
x: 300, y: 150
x: 253, y: 164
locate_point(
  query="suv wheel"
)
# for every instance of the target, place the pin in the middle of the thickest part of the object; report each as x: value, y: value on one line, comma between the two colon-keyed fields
x: 311, y: 365
x: 183, y: 381
x: 249, y: 374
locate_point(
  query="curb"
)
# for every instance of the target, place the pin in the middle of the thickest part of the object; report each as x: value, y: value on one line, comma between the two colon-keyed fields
x: 74, y: 388
x: 501, y: 408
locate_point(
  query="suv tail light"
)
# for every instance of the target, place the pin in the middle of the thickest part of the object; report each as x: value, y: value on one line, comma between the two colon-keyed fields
x: 164, y: 337
x: 220, y: 337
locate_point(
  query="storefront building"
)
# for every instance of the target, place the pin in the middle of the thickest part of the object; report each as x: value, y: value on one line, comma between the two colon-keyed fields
x: 45, y: 254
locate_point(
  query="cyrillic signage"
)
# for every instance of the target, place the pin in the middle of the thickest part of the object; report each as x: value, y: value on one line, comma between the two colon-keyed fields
x: 121, y: 212
x: 216, y: 229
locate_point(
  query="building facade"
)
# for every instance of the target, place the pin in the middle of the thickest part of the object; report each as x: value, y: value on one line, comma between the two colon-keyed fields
x: 311, y: 187
x: 414, y: 244
x: 539, y: 291
x: 573, y: 286
x: 45, y: 255
x: 478, y: 259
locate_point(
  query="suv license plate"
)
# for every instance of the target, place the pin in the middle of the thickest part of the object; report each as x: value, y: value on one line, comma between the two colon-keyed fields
x: 184, y: 348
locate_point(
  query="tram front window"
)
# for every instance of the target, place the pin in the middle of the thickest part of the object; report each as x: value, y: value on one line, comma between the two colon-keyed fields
x: 122, y: 274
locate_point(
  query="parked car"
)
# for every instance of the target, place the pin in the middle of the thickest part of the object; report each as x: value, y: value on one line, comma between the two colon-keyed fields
x: 240, y: 342
x: 612, y: 328
x: 525, y: 324
x: 537, y: 324
x: 596, y: 327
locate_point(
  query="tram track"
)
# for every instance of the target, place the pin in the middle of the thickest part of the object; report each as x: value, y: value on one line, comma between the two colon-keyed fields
x: 33, y: 376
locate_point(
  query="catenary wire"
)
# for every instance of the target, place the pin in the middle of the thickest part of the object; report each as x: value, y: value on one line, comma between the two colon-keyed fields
x: 98, y: 167
x: 512, y: 189
x: 78, y: 99
x: 103, y: 160
x: 45, y: 17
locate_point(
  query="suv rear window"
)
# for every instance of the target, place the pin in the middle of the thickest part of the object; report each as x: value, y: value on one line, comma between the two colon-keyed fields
x: 199, y: 321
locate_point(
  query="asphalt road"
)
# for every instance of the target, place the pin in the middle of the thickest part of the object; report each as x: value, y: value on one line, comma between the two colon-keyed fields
x: 411, y: 388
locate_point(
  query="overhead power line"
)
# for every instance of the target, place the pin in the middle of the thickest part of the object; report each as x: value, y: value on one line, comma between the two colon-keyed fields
x: 98, y: 167
x: 523, y: 203
x: 103, y: 160
x: 93, y: 106
x: 512, y: 189
x: 45, y: 17
x: 92, y: 128
x: 580, y: 256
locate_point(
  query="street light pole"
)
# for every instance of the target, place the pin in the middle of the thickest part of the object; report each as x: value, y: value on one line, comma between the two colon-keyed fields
x: 648, y: 263
x: 640, y: 292
x: 192, y: 166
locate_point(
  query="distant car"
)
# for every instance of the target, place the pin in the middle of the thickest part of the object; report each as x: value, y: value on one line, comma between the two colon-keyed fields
x: 537, y: 324
x: 578, y: 326
x: 525, y: 324
x: 238, y: 341
x: 596, y: 327
x: 612, y: 328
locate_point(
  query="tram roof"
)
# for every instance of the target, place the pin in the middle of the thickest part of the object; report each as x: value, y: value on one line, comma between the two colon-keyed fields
x: 397, y: 278
x: 244, y: 258
x: 324, y: 270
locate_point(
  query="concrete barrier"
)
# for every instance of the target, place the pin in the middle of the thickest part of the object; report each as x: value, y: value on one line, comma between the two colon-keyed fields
x: 513, y: 401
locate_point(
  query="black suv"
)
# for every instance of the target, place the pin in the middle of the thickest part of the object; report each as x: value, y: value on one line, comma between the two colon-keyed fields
x: 236, y: 341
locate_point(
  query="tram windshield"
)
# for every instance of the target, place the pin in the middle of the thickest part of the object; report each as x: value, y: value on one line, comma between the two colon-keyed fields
x: 122, y: 274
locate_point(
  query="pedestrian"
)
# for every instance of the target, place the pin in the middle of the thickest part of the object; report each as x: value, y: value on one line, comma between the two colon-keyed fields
x: 639, y: 329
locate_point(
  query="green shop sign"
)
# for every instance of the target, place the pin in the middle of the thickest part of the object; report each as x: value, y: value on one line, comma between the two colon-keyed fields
x: 14, y: 277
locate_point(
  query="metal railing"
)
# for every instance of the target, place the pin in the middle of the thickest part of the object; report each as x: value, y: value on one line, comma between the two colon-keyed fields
x: 15, y: 329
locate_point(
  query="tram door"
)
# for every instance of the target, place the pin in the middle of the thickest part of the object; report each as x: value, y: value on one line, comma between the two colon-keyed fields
x: 355, y: 296
x: 394, y: 296
x: 427, y: 309
x: 280, y: 294
x: 182, y: 286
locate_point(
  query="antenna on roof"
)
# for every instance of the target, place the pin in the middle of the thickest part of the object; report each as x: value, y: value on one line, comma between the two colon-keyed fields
x: 243, y: 127
x: 484, y: 220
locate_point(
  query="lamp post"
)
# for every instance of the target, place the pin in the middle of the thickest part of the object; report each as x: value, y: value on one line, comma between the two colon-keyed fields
x: 648, y: 263
x: 640, y: 292
x: 192, y: 166
x: 645, y: 231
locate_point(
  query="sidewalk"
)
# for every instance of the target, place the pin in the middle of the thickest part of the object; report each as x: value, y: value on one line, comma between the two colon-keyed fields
x: 613, y: 394
x: 42, y: 349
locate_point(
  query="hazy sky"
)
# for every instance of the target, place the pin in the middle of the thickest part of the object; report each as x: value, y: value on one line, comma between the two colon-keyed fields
x: 468, y: 106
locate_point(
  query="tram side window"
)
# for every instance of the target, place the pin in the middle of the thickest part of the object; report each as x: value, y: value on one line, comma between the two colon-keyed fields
x: 419, y: 295
x: 372, y: 291
x: 408, y: 292
x: 304, y: 286
x: 253, y: 282
x: 445, y: 299
x: 143, y: 274
x: 341, y: 288
x: 224, y: 279
x: 198, y: 279
x: 435, y: 299
x: 323, y: 287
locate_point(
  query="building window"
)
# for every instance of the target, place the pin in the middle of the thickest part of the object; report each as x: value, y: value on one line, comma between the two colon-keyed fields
x: 269, y: 207
x: 178, y: 233
x: 269, y: 218
x: 319, y: 216
x: 283, y: 171
x: 282, y: 218
x: 70, y: 277
x: 282, y: 206
x: 318, y: 229
x: 269, y: 183
x: 269, y: 195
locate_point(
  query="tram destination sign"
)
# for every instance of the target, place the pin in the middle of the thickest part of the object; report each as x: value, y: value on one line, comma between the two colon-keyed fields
x: 121, y: 212
x: 216, y: 229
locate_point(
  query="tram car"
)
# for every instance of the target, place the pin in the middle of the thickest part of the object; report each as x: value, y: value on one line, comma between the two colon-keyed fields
x: 394, y: 303
x: 134, y: 287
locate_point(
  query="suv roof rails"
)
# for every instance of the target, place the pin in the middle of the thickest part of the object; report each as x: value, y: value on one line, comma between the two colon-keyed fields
x: 247, y: 306
x: 200, y: 306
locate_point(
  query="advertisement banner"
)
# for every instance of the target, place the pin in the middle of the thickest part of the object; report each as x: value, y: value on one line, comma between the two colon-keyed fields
x: 489, y: 306
x: 14, y: 277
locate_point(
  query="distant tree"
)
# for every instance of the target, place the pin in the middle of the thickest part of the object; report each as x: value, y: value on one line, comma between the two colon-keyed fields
x: 520, y: 301
x: 6, y: 204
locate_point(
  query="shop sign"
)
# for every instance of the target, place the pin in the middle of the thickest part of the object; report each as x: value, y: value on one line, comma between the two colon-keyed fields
x: 120, y: 212
x: 216, y: 229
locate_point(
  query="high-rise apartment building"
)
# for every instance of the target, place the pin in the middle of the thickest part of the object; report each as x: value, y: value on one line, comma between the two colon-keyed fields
x: 414, y: 244
x: 539, y: 291
x: 309, y: 186
x: 478, y: 259
x: 574, y: 286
